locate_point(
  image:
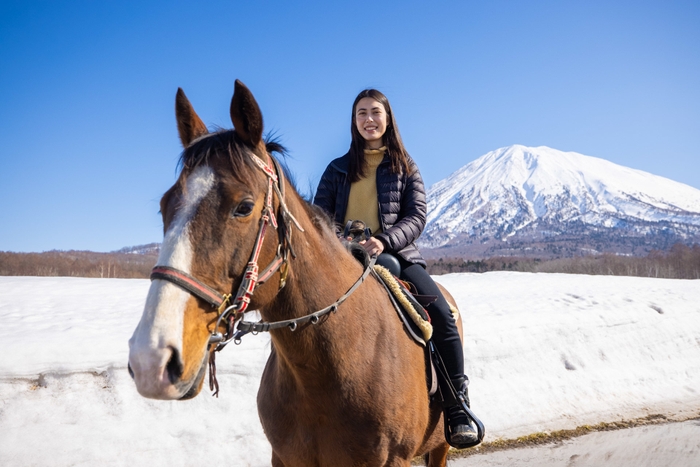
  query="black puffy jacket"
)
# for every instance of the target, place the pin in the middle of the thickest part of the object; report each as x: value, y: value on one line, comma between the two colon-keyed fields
x: 402, y: 207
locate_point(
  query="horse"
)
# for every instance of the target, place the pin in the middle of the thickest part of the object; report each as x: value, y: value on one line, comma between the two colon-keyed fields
x: 342, y: 387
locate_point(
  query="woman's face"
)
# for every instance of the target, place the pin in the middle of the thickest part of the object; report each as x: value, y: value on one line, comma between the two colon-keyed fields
x: 370, y: 119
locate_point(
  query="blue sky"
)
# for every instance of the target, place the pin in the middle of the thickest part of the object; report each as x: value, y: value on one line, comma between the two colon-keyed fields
x: 87, y: 90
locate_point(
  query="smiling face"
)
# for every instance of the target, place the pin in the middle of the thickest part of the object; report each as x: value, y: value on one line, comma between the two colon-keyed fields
x: 371, y: 121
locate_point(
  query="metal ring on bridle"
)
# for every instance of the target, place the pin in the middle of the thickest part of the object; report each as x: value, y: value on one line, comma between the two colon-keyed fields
x: 226, y: 314
x: 218, y: 338
x: 215, y: 338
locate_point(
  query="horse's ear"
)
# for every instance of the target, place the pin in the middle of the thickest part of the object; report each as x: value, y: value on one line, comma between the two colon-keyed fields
x: 189, y: 125
x: 245, y: 115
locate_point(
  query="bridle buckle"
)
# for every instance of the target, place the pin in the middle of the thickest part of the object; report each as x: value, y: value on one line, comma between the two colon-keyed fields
x: 225, y: 303
x: 284, y: 270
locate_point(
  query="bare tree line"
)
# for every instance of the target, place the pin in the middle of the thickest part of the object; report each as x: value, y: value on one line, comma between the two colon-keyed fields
x: 680, y: 262
x: 77, y: 264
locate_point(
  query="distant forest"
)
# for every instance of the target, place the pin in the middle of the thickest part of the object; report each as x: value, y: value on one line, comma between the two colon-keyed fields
x: 78, y: 264
x: 680, y: 262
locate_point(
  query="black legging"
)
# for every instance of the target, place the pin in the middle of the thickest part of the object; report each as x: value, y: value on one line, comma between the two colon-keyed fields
x: 445, y: 334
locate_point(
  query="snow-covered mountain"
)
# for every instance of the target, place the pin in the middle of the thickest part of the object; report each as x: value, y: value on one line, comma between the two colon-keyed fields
x: 149, y: 249
x: 515, y: 196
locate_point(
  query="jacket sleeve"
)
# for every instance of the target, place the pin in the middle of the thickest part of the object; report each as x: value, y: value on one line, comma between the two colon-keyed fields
x: 412, y: 214
x: 326, y: 194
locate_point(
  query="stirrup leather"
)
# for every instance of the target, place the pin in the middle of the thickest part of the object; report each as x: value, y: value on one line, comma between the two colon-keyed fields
x: 452, y: 397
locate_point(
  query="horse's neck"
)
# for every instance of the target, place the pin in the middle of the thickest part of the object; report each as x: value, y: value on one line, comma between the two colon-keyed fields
x: 319, y: 276
x: 322, y: 272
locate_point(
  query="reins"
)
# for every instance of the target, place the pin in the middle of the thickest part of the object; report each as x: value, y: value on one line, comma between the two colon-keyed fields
x: 244, y: 327
x: 230, y: 310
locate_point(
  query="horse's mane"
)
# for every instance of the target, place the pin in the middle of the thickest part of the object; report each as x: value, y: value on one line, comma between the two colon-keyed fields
x: 223, y: 141
x: 202, y: 149
x: 227, y: 142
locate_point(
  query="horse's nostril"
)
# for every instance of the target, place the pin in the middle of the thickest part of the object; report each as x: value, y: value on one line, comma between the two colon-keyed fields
x: 131, y: 372
x: 174, y: 366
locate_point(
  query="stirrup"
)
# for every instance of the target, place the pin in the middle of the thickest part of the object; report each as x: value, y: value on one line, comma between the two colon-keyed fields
x: 459, y: 431
x: 452, y: 397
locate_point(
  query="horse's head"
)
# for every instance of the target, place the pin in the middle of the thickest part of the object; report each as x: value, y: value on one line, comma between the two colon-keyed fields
x: 212, y: 224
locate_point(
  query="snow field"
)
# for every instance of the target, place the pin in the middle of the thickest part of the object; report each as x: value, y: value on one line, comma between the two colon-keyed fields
x: 543, y: 351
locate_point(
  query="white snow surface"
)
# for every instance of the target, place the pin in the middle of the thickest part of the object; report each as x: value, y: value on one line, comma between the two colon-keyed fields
x: 510, y: 188
x: 543, y: 351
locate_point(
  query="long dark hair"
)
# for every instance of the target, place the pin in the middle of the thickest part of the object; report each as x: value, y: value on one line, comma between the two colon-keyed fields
x: 392, y: 140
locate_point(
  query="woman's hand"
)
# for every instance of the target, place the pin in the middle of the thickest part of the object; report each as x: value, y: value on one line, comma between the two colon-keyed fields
x: 373, y: 246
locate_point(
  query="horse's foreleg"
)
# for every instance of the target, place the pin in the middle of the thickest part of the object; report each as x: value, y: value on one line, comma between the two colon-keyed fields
x: 438, y: 456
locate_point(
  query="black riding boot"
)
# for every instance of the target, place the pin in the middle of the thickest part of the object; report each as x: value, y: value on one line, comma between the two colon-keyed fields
x: 461, y: 431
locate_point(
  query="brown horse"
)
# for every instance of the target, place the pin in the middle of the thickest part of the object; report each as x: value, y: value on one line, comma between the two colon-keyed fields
x: 347, y: 389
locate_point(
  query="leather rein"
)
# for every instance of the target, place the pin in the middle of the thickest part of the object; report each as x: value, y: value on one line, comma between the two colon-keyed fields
x: 230, y: 310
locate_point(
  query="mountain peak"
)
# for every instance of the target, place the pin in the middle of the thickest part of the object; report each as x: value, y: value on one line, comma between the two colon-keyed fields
x: 540, y: 191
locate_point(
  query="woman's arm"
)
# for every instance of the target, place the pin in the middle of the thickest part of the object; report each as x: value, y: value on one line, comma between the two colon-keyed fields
x: 412, y: 215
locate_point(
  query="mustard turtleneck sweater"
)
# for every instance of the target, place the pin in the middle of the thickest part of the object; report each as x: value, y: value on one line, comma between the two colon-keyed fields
x: 363, y: 203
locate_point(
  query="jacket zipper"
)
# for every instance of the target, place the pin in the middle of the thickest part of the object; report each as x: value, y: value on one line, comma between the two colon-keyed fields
x: 379, y: 205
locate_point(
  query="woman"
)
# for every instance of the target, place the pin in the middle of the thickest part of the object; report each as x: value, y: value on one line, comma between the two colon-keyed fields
x: 378, y: 183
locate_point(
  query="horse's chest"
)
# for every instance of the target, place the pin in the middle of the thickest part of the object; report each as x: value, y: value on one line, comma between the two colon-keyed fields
x: 327, y: 429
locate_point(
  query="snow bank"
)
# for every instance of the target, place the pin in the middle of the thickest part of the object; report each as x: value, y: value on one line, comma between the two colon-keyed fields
x: 544, y: 352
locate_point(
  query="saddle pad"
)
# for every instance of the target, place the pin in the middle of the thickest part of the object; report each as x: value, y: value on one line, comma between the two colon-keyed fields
x: 409, y: 306
x: 415, y: 321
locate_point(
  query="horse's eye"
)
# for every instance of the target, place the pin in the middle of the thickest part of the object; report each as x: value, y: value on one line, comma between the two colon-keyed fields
x: 244, y: 209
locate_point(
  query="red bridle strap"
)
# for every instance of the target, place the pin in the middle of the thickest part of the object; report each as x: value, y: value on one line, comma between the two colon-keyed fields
x: 250, y: 275
x: 192, y: 285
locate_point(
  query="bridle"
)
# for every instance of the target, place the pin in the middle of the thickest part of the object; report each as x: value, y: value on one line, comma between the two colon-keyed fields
x: 230, y: 310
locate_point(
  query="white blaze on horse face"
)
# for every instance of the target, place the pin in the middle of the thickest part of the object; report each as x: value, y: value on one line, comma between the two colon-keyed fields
x: 161, y: 327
